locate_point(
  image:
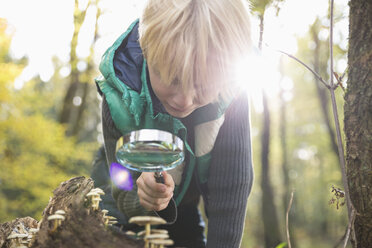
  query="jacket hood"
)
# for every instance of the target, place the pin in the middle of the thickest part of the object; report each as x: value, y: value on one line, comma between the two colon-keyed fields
x: 122, y: 62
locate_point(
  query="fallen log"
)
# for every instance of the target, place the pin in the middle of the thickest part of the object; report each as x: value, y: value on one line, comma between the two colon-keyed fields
x: 81, y: 225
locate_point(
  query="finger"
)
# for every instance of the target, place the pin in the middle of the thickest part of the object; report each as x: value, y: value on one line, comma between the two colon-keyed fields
x: 152, y: 197
x: 153, y: 190
x: 154, y: 204
x: 146, y: 183
x: 168, y: 180
x: 151, y: 183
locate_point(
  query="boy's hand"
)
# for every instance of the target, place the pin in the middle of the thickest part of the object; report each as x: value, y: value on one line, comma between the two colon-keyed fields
x: 153, y: 195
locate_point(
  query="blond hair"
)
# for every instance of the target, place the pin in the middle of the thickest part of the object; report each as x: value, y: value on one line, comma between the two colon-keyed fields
x: 195, y: 42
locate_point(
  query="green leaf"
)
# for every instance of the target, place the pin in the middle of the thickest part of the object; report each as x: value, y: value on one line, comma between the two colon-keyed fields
x: 282, y: 245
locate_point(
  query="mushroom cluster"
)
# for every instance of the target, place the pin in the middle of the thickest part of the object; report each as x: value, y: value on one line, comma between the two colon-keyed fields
x: 154, y: 238
x: 56, y: 219
x: 94, y: 196
x: 18, y: 240
x: 22, y: 240
x: 109, y: 220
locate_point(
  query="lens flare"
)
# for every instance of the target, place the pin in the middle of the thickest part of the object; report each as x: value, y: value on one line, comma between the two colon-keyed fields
x: 121, y: 177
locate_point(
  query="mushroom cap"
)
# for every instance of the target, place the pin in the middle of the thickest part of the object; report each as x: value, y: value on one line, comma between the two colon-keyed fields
x: 92, y: 194
x: 157, y: 236
x: 153, y: 231
x: 163, y: 231
x: 105, y: 211
x: 130, y: 233
x: 112, y: 222
x: 17, y: 235
x: 33, y: 230
x: 143, y: 220
x: 61, y: 212
x: 98, y: 191
x: 56, y: 217
x: 110, y: 217
x: 162, y: 242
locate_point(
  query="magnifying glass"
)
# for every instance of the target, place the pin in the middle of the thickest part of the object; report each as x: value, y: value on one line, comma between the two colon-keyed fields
x: 150, y: 150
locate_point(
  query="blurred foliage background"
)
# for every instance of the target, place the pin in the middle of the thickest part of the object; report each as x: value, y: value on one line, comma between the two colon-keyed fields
x: 50, y: 125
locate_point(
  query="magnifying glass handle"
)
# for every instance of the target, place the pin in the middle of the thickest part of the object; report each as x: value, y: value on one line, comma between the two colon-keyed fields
x: 159, y: 177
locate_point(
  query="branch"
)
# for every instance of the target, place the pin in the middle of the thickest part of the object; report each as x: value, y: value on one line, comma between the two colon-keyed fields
x: 307, y: 67
x: 351, y: 223
x: 287, y: 220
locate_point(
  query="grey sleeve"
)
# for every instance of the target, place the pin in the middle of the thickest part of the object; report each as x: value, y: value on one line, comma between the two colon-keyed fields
x: 127, y: 201
x: 230, y: 178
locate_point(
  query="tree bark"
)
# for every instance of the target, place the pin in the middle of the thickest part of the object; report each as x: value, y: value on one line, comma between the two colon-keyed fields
x: 358, y: 119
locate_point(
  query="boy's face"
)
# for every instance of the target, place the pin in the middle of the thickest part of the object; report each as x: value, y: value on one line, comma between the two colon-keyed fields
x: 175, y: 101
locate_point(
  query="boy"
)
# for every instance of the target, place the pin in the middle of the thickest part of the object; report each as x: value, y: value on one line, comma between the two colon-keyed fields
x: 174, y: 70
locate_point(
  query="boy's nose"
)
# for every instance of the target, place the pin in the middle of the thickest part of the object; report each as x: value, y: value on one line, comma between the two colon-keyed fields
x: 182, y: 101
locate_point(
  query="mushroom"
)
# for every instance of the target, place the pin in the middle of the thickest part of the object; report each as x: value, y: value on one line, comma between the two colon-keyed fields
x: 31, y: 234
x: 98, y: 190
x: 130, y: 233
x: 17, y: 237
x: 24, y: 243
x: 56, y: 220
x: 109, y: 220
x: 162, y: 242
x: 157, y: 236
x: 104, y: 211
x: 162, y: 231
x: 60, y: 212
x: 147, y: 221
x: 112, y: 222
x: 94, y: 196
x: 33, y: 230
x: 153, y: 231
x: 151, y: 237
x: 94, y: 199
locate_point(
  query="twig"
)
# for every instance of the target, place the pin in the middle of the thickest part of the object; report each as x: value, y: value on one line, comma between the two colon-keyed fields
x: 287, y: 220
x: 331, y: 43
x: 343, y: 75
x: 339, y: 81
x: 307, y: 67
x: 341, y: 239
x: 351, y: 223
x: 335, y: 115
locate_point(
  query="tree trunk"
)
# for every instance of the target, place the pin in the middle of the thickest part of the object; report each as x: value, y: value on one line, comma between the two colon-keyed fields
x: 70, y: 113
x: 67, y: 107
x: 86, y: 87
x: 358, y: 119
x: 269, y: 216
